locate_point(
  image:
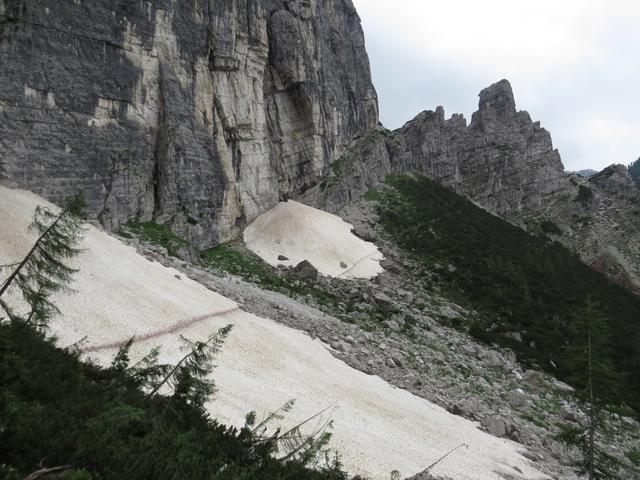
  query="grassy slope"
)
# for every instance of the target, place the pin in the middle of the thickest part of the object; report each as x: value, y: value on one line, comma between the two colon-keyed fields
x: 155, y: 233
x: 518, y: 282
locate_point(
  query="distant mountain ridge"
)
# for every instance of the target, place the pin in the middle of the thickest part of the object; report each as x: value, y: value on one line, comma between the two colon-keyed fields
x: 586, y: 173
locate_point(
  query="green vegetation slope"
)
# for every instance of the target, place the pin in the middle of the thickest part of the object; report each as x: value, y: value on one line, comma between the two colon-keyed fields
x: 516, y: 282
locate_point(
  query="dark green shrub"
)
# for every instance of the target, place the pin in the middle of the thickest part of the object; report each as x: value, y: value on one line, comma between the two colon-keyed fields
x: 157, y: 234
x: 550, y: 228
x: 585, y: 195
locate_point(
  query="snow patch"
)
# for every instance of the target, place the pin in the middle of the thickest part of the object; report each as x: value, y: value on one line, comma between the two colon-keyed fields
x: 292, y: 232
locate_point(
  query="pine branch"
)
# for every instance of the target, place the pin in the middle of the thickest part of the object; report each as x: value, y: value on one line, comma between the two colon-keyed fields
x: 277, y: 414
x: 198, y: 349
x: 43, y: 472
x: 7, y: 283
x: 42, y: 272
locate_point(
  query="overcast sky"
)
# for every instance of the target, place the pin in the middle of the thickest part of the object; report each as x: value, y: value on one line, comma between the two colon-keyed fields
x: 573, y: 64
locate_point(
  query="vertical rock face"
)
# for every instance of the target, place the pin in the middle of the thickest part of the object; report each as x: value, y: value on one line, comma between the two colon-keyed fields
x: 198, y: 113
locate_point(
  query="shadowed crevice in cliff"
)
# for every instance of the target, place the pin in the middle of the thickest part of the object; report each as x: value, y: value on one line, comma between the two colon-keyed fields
x: 190, y: 181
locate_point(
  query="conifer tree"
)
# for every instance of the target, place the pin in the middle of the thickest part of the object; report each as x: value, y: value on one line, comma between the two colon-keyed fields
x: 146, y: 372
x: 634, y: 171
x: 188, y: 377
x: 590, y: 354
x: 42, y: 271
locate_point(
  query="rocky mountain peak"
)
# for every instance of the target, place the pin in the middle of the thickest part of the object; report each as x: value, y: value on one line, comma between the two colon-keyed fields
x: 614, y: 179
x: 497, y: 106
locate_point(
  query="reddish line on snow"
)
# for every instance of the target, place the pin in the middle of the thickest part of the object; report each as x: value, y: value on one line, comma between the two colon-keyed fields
x: 176, y: 327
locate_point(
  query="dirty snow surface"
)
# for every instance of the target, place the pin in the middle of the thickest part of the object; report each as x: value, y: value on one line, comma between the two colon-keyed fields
x: 377, y: 428
x: 298, y: 232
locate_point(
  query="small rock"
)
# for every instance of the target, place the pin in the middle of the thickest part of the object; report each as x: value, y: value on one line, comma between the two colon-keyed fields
x: 570, y: 413
x: 465, y: 408
x: 304, y: 271
x: 343, y: 265
x: 361, y: 233
x: 384, y: 301
x: 397, y: 360
x: 562, y: 387
x: 386, y: 280
x: 517, y: 336
x: 393, y: 325
x: 493, y: 359
x: 495, y: 425
x: 341, y: 346
x: 518, y: 398
x: 282, y: 258
x: 534, y: 379
x: 389, y: 266
x: 510, y: 356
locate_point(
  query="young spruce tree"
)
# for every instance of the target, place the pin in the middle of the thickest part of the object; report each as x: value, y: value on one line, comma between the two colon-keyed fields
x: 42, y: 272
x: 590, y: 355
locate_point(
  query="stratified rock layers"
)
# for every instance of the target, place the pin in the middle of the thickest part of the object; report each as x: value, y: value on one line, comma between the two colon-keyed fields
x: 200, y: 113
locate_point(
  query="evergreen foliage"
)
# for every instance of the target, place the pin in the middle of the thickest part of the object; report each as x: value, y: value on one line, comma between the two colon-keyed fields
x: 634, y: 171
x: 515, y: 281
x: 188, y: 378
x: 294, y: 444
x: 100, y: 421
x: 42, y: 272
x: 590, y: 350
x: 589, y: 356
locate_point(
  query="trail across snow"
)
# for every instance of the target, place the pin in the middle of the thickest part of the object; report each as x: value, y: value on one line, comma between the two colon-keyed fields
x: 377, y: 428
x: 299, y: 232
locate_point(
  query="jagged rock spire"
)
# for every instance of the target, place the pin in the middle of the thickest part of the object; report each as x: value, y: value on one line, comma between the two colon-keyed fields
x: 496, y: 106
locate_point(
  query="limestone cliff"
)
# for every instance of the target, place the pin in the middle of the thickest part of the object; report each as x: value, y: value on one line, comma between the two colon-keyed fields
x: 196, y: 113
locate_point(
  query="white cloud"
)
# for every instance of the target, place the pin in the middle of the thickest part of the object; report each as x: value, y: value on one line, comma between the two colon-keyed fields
x: 567, y: 60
